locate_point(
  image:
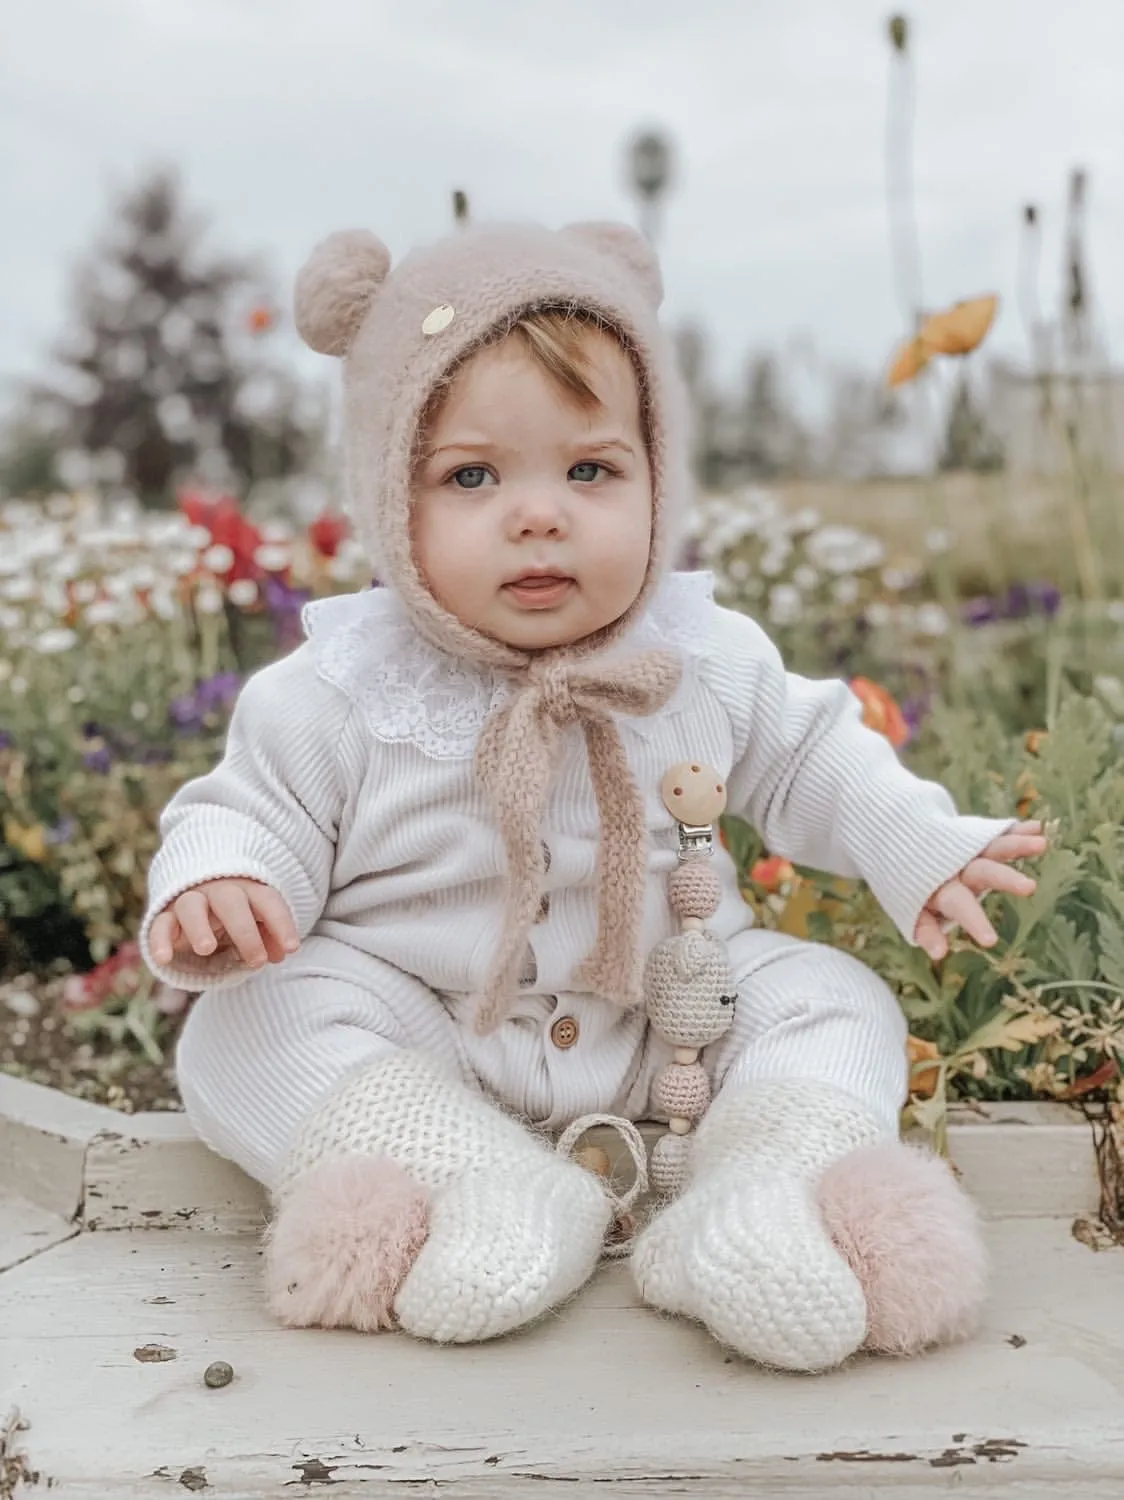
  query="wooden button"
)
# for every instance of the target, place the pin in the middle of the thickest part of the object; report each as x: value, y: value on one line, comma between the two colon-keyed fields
x: 694, y: 794
x: 564, y: 1032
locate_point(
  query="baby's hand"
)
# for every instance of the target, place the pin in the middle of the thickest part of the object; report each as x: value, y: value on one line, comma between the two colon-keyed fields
x: 246, y: 915
x: 956, y: 902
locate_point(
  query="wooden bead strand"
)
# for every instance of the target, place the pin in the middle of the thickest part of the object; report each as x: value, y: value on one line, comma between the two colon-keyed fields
x: 688, y: 989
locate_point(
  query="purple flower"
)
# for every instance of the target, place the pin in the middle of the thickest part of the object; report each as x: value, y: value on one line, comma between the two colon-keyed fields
x: 980, y: 611
x: 6, y: 740
x: 62, y: 832
x: 915, y: 711
x: 217, y: 692
x: 189, y: 712
x: 98, y: 760
x: 184, y: 714
x: 285, y: 605
x: 1020, y: 602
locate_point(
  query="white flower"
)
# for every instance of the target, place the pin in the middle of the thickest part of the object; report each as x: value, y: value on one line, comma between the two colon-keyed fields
x: 18, y: 686
x: 10, y: 619
x: 218, y: 559
x: 103, y: 612
x: 274, y: 557
x: 785, y: 604
x: 931, y: 619
x: 243, y: 592
x: 878, y: 614
x: 842, y: 549
x: 51, y: 642
x: 277, y: 531
x: 76, y: 694
x: 180, y: 564
x: 897, y: 579
x: 1115, y: 611
x: 845, y: 590
x: 19, y: 590
x: 139, y: 710
x: 341, y: 569
x: 806, y: 519
x: 937, y: 539
x: 737, y: 570
x: 198, y: 537
x: 208, y: 600
x: 66, y: 567
x: 805, y: 577
x: 54, y: 599
x: 163, y: 605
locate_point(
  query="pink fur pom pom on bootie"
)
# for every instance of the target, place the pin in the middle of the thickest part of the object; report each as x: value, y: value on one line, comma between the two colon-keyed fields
x: 911, y: 1235
x: 342, y: 1243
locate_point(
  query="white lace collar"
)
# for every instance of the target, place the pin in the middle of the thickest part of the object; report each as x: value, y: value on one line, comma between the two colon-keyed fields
x: 409, y: 691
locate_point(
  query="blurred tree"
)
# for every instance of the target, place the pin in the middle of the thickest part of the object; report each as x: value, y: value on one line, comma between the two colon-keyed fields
x: 969, y: 442
x: 774, y: 442
x: 163, y: 376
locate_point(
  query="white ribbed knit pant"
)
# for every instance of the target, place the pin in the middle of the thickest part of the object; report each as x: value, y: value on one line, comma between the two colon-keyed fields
x: 253, y: 1061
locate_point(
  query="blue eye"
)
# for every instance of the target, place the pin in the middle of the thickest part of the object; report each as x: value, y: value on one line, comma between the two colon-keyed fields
x: 470, y: 478
x: 585, y: 473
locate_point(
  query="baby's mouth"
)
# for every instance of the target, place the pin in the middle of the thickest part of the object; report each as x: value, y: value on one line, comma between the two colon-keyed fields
x: 539, y: 589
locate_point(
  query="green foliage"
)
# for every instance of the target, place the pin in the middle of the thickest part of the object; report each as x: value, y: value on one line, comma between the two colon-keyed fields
x: 1042, y: 1013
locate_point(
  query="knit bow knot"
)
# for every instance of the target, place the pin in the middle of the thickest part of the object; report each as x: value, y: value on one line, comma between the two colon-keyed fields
x: 518, y: 751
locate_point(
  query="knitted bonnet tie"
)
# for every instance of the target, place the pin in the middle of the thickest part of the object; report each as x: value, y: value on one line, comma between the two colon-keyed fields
x: 516, y: 756
x: 402, y: 335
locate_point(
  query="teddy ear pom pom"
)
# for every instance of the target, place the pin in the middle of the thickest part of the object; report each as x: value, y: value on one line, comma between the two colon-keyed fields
x: 336, y: 286
x: 628, y: 247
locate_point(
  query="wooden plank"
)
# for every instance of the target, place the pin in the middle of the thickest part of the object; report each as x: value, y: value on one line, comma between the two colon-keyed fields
x: 43, y: 1139
x: 1017, y: 1160
x: 167, y: 1181
x: 27, y: 1229
x: 603, y: 1393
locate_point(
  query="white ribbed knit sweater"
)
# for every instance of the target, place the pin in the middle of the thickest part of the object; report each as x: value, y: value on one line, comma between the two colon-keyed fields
x: 348, y: 783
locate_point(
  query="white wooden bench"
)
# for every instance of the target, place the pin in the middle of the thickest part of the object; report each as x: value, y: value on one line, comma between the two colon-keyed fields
x: 121, y: 1232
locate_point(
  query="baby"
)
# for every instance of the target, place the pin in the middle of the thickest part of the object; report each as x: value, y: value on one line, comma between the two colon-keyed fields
x: 420, y: 891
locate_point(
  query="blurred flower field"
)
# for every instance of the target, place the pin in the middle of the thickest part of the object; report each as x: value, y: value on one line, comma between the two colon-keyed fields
x: 126, y: 635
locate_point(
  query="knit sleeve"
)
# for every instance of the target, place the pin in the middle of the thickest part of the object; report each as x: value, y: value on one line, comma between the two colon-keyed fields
x: 825, y: 791
x: 269, y: 811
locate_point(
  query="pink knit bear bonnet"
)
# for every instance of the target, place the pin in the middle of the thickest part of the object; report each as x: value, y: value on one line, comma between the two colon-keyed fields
x: 402, y: 334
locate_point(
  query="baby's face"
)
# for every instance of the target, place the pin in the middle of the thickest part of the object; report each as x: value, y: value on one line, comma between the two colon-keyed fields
x: 532, y: 519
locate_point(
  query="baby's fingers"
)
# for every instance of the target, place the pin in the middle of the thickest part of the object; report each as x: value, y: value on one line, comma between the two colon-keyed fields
x: 275, y: 921
x: 193, y: 912
x: 231, y: 905
x: 1016, y: 845
x: 162, y: 937
x: 984, y: 875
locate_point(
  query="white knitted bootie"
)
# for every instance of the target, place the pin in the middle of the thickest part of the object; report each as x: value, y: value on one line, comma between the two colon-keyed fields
x: 743, y: 1248
x: 512, y: 1227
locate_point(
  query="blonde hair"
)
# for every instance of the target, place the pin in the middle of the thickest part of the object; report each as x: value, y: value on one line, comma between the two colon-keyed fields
x: 558, y: 341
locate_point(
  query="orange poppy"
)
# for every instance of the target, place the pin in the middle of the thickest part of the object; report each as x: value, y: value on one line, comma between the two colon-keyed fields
x: 923, y: 1082
x: 772, y: 873
x: 261, y: 319
x: 957, y: 330
x: 880, y: 712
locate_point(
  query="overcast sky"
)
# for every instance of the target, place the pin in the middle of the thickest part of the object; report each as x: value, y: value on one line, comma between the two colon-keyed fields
x: 290, y: 118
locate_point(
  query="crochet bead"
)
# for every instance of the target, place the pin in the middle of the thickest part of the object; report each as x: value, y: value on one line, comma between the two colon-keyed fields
x: 668, y: 1169
x: 693, y: 793
x: 678, y: 1126
x: 683, y: 1091
x: 688, y: 990
x: 694, y: 889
